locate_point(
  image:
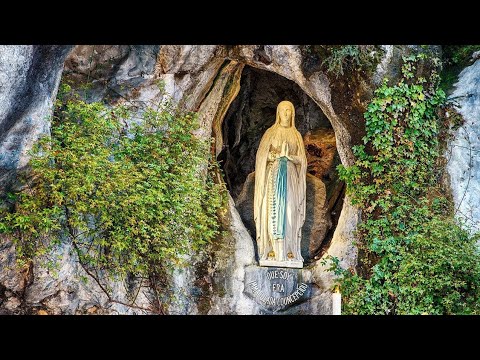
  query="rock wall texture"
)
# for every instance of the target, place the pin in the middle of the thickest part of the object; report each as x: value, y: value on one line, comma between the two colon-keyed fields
x: 463, y: 153
x: 29, y: 77
x: 206, y: 79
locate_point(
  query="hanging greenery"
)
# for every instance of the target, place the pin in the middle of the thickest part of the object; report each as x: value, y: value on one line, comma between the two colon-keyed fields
x: 414, y: 258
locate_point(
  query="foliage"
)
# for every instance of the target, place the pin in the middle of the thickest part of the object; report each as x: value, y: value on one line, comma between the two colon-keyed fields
x: 458, y: 54
x: 340, y: 59
x: 414, y: 257
x: 132, y: 197
x: 455, y: 58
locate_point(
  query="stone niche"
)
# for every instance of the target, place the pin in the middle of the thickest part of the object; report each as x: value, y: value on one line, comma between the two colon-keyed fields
x: 251, y: 113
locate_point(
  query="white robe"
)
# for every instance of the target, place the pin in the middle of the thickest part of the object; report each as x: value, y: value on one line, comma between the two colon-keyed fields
x: 265, y: 172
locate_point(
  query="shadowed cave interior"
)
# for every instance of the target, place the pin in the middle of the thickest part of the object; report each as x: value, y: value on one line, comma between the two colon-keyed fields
x: 251, y: 113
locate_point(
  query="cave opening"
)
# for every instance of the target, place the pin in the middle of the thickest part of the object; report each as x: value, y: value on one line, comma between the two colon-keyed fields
x: 250, y: 114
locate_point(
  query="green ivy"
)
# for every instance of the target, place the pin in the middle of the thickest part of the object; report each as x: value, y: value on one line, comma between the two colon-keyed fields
x: 413, y: 256
x: 131, y: 196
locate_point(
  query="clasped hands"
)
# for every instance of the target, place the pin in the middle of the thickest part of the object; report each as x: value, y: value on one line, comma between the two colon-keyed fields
x: 285, y: 151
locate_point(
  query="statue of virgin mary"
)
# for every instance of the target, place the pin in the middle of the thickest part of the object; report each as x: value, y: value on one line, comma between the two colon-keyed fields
x: 280, y: 183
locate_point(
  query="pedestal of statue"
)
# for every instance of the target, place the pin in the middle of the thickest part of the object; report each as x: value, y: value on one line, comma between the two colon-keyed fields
x: 296, y: 264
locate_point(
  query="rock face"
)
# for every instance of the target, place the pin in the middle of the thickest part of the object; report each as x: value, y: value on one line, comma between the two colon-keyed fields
x: 237, y: 254
x: 320, y: 149
x: 29, y: 77
x: 65, y: 289
x: 317, y: 219
x: 206, y: 79
x: 464, y: 162
x: 322, y: 160
x: 112, y: 72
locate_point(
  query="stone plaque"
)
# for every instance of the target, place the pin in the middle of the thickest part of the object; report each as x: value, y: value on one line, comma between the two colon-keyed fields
x: 275, y: 288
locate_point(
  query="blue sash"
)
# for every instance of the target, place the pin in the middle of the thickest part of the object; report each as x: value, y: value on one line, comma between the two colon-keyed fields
x: 280, y: 204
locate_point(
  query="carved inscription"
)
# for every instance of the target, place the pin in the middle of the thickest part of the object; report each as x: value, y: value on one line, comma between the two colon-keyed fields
x: 277, y: 286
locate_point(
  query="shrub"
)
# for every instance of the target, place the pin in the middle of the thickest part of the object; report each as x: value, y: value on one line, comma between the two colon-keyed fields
x: 132, y: 197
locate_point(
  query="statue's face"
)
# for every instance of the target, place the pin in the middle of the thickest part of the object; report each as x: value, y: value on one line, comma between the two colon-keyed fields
x: 285, y: 115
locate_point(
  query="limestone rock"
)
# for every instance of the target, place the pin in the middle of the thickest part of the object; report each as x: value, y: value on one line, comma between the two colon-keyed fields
x: 12, y: 303
x: 112, y: 72
x: 341, y: 247
x: 92, y: 310
x: 189, y: 71
x: 317, y: 221
x: 61, y: 291
x: 322, y: 158
x: 11, y: 277
x: 29, y: 77
x: 462, y: 153
x: 320, y: 149
x: 228, y: 264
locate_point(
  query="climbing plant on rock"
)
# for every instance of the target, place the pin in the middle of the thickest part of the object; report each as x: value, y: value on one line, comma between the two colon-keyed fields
x: 414, y: 258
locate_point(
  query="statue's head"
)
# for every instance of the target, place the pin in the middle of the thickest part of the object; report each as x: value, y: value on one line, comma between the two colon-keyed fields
x: 285, y: 114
